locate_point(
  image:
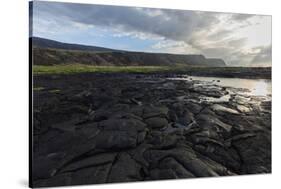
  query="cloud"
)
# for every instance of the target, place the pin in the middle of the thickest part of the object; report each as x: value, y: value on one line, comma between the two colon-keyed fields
x: 177, y: 47
x: 263, y: 57
x: 221, y: 34
x: 175, y: 31
x: 241, y: 17
x: 171, y: 24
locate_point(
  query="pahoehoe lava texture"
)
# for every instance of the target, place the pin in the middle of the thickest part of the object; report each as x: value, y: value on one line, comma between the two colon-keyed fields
x: 104, y: 128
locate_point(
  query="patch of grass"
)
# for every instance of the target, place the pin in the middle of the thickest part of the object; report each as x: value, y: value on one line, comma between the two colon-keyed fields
x: 38, y: 88
x: 242, y: 72
x: 80, y: 68
x: 54, y: 91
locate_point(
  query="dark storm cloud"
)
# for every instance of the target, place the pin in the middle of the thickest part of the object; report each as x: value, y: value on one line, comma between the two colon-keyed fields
x: 170, y: 24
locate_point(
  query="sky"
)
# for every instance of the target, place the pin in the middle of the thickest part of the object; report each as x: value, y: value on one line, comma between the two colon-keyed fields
x: 239, y: 39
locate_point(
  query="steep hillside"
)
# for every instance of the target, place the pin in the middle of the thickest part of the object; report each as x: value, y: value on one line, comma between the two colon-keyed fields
x: 42, y: 56
x: 49, y: 52
x: 47, y: 43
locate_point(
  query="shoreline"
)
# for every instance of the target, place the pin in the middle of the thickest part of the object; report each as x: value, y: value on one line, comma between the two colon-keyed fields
x: 159, y: 75
x: 145, y: 128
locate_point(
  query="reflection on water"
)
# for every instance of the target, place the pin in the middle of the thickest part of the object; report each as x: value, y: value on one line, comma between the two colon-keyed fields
x: 257, y: 87
x: 261, y: 88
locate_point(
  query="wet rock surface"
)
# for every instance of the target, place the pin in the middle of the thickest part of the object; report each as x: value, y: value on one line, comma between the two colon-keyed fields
x: 103, y: 128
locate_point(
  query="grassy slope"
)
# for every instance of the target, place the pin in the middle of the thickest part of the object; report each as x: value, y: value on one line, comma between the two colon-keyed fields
x: 81, y: 68
x: 243, y: 72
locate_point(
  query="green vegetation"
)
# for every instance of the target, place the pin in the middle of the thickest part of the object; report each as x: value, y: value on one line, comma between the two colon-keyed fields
x: 241, y: 72
x: 38, y: 88
x: 82, y: 68
x: 54, y: 91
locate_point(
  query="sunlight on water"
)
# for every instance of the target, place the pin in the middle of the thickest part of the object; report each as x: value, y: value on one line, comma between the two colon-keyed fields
x: 261, y: 88
x: 257, y: 87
